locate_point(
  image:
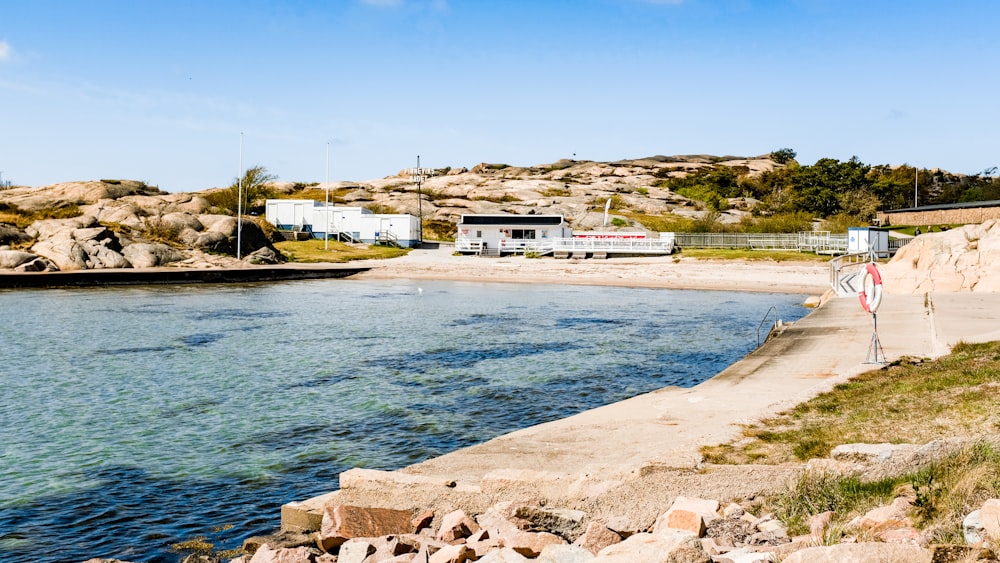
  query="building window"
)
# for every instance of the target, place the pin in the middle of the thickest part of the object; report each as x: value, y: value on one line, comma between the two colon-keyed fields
x: 520, y: 234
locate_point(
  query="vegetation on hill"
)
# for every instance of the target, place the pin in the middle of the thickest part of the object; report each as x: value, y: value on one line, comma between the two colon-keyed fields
x: 841, y: 192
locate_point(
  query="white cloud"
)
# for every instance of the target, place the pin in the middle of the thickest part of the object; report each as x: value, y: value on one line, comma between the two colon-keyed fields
x: 6, y: 53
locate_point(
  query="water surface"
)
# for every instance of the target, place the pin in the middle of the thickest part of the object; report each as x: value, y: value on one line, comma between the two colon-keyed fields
x: 135, y: 418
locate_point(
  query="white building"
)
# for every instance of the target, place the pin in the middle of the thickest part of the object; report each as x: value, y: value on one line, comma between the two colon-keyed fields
x: 507, y: 233
x: 343, y: 223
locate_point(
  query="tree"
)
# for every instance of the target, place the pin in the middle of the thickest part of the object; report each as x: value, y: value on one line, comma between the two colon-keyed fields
x: 255, y: 186
x: 783, y: 156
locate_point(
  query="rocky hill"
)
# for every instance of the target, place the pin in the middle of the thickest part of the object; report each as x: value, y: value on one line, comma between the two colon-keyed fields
x: 124, y: 223
x: 578, y: 190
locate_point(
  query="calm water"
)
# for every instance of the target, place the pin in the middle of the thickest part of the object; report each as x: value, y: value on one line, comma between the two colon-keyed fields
x: 134, y: 418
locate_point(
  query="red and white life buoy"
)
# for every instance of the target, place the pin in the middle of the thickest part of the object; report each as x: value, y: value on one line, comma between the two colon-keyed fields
x: 870, y: 293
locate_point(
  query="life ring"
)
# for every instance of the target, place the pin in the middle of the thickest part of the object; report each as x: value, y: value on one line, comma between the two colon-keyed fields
x: 870, y: 293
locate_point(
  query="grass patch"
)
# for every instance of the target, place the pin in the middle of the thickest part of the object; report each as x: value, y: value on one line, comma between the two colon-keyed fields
x: 942, y: 494
x: 314, y: 250
x: 752, y: 255
x: 910, y: 401
x: 12, y: 214
x: 555, y: 192
x: 505, y: 198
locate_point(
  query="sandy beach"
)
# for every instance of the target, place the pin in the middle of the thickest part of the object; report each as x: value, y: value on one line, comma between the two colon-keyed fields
x: 661, y: 272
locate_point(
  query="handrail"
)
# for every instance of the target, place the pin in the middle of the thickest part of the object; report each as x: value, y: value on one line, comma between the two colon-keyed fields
x: 759, y: 326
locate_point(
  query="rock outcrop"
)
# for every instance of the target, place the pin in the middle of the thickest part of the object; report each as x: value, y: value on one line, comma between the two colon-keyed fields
x: 962, y: 259
x: 123, y: 224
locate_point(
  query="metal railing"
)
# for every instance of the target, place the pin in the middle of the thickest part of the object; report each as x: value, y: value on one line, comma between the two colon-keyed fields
x: 817, y: 241
x: 663, y: 245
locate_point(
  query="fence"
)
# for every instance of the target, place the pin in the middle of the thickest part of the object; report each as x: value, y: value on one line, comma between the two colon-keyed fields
x: 820, y: 242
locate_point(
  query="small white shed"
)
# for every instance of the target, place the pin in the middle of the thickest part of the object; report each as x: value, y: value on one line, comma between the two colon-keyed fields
x: 868, y: 239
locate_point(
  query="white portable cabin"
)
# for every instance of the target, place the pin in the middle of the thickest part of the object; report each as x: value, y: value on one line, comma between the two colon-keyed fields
x: 358, y: 223
x: 868, y: 239
x: 509, y: 233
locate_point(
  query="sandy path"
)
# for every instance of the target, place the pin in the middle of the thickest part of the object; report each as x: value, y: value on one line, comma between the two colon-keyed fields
x: 661, y: 271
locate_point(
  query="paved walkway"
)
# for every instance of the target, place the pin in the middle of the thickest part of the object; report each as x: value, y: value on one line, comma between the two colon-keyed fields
x: 595, y: 451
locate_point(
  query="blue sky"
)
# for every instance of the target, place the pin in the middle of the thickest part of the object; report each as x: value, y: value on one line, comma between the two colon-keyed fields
x: 161, y: 90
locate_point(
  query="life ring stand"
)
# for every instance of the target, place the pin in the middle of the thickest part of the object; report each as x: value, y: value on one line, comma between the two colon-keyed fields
x: 870, y: 293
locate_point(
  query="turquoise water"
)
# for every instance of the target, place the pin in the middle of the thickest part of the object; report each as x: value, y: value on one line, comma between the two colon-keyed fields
x: 134, y: 418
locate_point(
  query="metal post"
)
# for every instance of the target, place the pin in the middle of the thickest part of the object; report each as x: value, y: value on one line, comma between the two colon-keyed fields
x: 239, y: 204
x: 420, y: 199
x: 417, y: 175
x: 326, y: 210
x: 916, y: 181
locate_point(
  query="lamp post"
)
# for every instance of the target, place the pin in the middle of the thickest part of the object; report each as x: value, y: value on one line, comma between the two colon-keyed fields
x: 417, y: 175
x: 326, y: 210
x: 916, y: 180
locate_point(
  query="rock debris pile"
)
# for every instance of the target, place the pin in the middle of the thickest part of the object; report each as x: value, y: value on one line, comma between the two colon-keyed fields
x: 692, y: 530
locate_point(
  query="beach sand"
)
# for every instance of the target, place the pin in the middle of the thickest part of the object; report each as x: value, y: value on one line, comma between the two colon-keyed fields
x: 655, y: 271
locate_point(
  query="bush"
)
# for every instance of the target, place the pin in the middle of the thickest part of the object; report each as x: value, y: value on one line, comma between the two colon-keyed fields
x: 779, y: 223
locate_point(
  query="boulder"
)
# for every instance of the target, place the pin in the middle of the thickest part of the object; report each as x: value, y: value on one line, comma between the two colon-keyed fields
x: 962, y: 259
x: 343, y: 522
x: 65, y: 253
x: 451, y: 554
x: 667, y: 546
x: 265, y: 255
x: 10, y: 259
x: 597, y: 537
x: 180, y: 221
x: 39, y: 264
x: 531, y: 544
x: 355, y: 551
x: 989, y: 514
x: 972, y: 528
x: 503, y: 555
x: 266, y: 554
x: 889, y: 517
x: 690, y: 514
x: 455, y: 526
x: 214, y: 241
x: 564, y: 554
x: 561, y: 521
x: 862, y: 553
x: 10, y: 235
x: 150, y: 255
x: 48, y: 228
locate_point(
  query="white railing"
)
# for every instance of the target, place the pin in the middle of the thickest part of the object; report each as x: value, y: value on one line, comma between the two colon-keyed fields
x: 821, y: 242
x: 627, y: 245
x: 663, y: 245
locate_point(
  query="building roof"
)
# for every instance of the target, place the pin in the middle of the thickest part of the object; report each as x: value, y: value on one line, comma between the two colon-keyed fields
x: 510, y: 219
x: 962, y: 205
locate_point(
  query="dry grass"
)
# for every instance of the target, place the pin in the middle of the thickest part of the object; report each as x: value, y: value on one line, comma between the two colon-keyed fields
x: 314, y: 250
x: 752, y: 255
x: 910, y: 401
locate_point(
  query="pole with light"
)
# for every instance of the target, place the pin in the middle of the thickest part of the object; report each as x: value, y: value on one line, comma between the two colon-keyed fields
x: 326, y: 210
x: 417, y: 175
x: 239, y: 203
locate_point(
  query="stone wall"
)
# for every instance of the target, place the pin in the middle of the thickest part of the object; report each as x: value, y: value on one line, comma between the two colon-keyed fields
x: 963, y: 216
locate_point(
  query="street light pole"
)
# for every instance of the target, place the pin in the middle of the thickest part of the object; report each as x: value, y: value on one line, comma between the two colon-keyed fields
x: 326, y: 210
x: 916, y: 180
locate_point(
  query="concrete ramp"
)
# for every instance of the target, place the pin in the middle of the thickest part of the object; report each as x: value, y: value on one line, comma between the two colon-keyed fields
x: 640, y: 453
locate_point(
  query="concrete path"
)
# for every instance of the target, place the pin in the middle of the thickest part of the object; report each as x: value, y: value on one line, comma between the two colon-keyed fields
x: 586, y: 457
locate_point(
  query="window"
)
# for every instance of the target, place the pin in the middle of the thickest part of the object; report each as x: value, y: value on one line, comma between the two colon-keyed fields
x: 522, y: 234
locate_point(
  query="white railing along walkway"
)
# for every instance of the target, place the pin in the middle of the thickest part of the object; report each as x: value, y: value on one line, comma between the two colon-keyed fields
x: 662, y: 245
